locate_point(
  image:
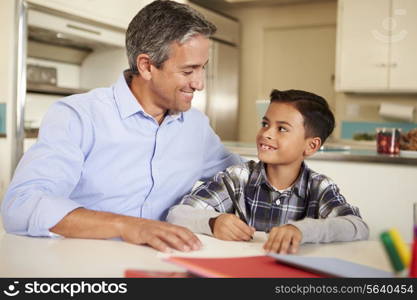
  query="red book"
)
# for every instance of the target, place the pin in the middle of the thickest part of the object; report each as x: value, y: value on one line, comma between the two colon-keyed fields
x: 240, y: 267
x: 136, y: 273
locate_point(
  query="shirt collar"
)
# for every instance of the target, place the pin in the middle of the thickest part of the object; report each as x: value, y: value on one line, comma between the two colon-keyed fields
x: 301, y: 184
x: 258, y: 177
x: 127, y: 103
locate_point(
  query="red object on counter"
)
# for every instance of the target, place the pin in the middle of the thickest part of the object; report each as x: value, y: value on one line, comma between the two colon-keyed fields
x: 388, y: 140
x: 413, y: 265
x: 240, y: 267
x: 136, y: 273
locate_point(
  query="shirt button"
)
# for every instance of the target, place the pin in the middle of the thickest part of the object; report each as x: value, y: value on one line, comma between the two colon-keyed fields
x: 278, y: 202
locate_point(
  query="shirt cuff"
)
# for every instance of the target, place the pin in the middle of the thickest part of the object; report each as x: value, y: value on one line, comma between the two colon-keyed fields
x: 48, y: 212
x: 309, y: 229
x: 54, y: 235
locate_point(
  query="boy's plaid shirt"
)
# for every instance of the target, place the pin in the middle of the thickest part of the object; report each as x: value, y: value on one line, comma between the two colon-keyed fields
x: 312, y: 195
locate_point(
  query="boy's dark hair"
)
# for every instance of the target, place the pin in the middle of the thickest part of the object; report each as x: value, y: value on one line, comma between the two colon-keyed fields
x: 318, y: 118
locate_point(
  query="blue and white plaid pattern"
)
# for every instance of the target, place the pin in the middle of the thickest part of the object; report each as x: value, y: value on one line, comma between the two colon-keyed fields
x: 313, y: 195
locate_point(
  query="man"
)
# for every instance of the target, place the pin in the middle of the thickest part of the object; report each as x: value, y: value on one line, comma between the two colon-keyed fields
x: 109, y: 163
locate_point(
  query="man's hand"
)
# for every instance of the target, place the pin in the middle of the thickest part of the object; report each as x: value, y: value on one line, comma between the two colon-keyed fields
x: 283, y: 239
x: 230, y: 228
x: 162, y: 236
x: 90, y: 224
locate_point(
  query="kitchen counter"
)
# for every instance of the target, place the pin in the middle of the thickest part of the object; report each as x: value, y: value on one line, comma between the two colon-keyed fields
x: 337, y: 152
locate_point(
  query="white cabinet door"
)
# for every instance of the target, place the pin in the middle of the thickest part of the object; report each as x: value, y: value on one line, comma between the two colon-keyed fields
x: 362, y: 45
x: 111, y: 12
x: 404, y: 45
x: 377, y: 46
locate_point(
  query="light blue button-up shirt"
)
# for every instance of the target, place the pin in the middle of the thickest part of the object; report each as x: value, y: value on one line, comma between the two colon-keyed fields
x: 102, y: 151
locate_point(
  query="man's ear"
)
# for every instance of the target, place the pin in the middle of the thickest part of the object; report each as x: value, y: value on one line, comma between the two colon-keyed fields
x: 143, y: 63
x: 313, y: 144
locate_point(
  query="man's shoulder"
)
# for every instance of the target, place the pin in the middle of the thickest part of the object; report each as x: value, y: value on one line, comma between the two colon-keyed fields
x: 89, y: 101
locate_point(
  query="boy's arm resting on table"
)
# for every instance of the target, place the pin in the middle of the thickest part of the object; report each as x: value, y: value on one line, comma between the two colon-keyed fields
x: 338, y: 220
x: 332, y: 229
x: 207, y: 201
x: 193, y: 218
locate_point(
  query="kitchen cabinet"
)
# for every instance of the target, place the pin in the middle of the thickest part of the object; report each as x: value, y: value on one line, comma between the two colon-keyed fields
x: 111, y: 12
x: 227, y: 28
x: 376, y: 46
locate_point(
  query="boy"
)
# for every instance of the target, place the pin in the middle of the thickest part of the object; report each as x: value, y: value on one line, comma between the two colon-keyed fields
x: 280, y: 194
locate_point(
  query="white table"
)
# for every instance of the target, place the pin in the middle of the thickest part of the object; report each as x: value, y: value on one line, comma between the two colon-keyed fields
x: 22, y: 256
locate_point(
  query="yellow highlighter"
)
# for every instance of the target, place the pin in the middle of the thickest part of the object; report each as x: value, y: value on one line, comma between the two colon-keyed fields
x: 402, y: 249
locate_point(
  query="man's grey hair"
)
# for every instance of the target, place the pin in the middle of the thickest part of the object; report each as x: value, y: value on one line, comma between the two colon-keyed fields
x: 160, y: 23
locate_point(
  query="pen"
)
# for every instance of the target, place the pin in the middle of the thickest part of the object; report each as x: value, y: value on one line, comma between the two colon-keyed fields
x: 235, y: 201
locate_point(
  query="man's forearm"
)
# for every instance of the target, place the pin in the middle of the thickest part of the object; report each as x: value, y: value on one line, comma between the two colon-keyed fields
x: 85, y: 223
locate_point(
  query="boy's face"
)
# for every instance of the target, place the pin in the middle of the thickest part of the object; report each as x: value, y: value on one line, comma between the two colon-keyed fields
x: 281, y: 139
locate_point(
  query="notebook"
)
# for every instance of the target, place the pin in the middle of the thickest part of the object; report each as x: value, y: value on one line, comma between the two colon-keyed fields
x: 330, y: 266
x: 240, y: 267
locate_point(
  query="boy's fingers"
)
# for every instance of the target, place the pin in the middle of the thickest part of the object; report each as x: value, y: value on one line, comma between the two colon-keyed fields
x: 276, y: 246
x: 246, y: 231
x: 295, y: 244
x: 267, y: 245
x: 274, y: 241
x: 239, y: 232
x: 285, y: 244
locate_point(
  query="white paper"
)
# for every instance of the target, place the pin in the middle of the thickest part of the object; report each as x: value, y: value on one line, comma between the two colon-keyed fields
x: 397, y: 112
x: 213, y: 247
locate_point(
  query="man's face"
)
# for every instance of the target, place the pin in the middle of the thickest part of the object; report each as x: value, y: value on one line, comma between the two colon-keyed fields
x: 173, y: 85
x: 281, y: 139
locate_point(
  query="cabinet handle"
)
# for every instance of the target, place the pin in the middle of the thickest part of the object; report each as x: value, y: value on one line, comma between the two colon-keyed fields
x: 393, y: 65
x: 381, y: 65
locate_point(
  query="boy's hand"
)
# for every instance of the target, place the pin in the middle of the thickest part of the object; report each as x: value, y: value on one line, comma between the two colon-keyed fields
x: 230, y: 228
x: 283, y: 239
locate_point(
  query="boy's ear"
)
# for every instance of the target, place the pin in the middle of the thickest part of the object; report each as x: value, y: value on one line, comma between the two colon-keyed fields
x: 144, y: 65
x: 313, y: 144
